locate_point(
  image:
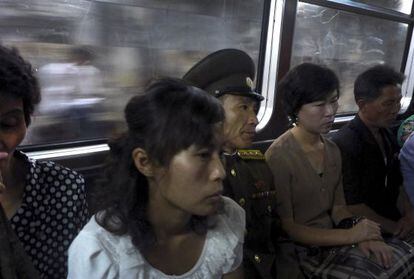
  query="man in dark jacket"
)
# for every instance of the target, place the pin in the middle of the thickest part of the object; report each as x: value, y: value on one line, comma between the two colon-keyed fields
x: 371, y: 174
x: 227, y: 74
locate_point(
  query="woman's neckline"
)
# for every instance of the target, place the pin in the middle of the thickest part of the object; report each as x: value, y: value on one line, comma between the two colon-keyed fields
x: 192, y: 269
x: 319, y: 172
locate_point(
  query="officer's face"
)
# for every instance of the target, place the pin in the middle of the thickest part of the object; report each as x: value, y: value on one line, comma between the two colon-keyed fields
x: 192, y: 182
x: 12, y: 129
x: 382, y: 112
x: 318, y: 117
x: 241, y: 121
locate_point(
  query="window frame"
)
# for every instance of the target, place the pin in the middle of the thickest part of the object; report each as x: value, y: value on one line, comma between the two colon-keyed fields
x: 74, y: 147
x: 407, y: 61
x: 77, y: 145
x: 278, y: 27
x: 282, y: 64
x: 270, y: 64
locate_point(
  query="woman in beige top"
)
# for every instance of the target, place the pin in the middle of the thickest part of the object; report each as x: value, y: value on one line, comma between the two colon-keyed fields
x: 307, y: 172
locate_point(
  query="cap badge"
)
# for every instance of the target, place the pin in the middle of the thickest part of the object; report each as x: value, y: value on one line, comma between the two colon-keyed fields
x: 260, y: 185
x: 249, y: 82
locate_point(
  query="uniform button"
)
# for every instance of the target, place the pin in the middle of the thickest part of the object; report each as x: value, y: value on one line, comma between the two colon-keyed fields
x: 322, y: 189
x: 242, y: 202
x: 269, y: 208
x: 233, y: 172
x: 257, y: 258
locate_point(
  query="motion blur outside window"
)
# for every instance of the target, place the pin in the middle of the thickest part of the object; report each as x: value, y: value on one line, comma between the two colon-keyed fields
x: 348, y: 43
x: 403, y: 6
x: 92, y: 56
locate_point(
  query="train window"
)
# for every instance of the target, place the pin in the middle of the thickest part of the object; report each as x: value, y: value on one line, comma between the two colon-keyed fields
x: 346, y: 42
x: 403, y: 6
x: 270, y: 63
x: 92, y: 56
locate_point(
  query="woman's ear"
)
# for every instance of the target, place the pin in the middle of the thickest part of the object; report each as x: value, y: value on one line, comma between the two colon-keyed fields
x: 142, y: 162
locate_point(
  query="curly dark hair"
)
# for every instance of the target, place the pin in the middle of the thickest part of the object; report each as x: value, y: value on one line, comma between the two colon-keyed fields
x: 17, y: 80
x: 168, y: 118
x: 306, y: 83
x: 368, y: 84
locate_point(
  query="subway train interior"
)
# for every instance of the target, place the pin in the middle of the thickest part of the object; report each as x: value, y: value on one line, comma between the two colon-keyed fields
x: 130, y: 42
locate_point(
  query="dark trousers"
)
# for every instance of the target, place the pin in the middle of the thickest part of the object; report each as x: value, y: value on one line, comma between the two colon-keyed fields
x: 14, y: 263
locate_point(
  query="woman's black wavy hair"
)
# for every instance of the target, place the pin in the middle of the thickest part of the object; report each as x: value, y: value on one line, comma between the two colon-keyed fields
x: 168, y: 118
x: 17, y: 80
x: 306, y: 83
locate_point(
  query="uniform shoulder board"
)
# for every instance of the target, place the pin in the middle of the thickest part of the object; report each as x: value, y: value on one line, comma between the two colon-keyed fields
x: 250, y: 154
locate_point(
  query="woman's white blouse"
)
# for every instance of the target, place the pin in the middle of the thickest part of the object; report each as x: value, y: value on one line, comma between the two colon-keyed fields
x: 97, y: 253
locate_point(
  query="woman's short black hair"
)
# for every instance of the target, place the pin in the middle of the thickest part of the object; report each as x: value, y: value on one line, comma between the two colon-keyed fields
x: 168, y: 118
x: 306, y: 83
x: 369, y: 84
x: 17, y: 80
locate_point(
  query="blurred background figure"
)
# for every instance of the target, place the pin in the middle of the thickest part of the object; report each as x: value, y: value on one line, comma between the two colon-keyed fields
x: 75, y: 87
x: 89, y: 79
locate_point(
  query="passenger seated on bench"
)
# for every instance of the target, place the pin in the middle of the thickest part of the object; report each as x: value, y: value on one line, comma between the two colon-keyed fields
x: 329, y: 241
x: 44, y: 202
x: 371, y: 170
x: 162, y: 211
x: 227, y: 74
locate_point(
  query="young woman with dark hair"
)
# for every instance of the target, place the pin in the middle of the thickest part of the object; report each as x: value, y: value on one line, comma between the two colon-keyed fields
x: 328, y: 241
x: 162, y: 214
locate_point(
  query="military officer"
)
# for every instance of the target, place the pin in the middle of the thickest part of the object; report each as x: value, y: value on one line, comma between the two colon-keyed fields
x: 227, y: 74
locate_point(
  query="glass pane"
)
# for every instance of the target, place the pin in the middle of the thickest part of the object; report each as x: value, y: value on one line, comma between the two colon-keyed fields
x: 320, y: 37
x: 403, y: 6
x: 92, y: 56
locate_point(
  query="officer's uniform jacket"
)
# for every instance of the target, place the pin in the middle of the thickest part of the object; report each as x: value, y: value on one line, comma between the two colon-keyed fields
x: 249, y: 182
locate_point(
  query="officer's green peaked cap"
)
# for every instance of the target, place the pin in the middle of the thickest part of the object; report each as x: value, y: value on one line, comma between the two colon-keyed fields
x: 226, y: 71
